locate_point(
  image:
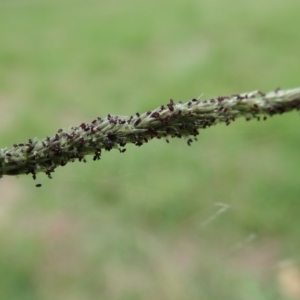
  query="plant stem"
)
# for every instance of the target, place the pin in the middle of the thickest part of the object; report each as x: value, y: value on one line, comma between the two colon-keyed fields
x: 170, y: 120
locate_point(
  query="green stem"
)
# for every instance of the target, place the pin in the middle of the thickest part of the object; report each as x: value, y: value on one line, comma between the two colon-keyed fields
x: 170, y: 120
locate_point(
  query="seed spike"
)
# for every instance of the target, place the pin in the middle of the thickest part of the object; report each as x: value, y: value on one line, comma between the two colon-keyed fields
x: 167, y: 121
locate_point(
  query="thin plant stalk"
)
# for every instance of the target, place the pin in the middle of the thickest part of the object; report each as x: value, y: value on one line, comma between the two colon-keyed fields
x: 172, y: 120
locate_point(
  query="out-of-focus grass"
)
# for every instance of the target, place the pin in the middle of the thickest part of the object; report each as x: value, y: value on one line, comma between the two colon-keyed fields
x: 146, y: 224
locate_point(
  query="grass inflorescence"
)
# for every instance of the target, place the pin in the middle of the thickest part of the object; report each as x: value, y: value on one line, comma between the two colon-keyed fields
x: 172, y: 120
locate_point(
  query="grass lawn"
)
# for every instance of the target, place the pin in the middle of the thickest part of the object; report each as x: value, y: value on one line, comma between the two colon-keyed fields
x: 218, y: 220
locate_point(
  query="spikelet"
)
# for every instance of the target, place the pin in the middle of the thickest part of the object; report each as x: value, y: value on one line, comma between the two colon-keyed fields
x: 167, y: 121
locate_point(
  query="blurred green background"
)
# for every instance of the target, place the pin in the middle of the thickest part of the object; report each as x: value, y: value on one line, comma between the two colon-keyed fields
x: 218, y: 220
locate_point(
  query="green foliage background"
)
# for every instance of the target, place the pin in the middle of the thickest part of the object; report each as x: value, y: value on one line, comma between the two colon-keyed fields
x: 145, y: 224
